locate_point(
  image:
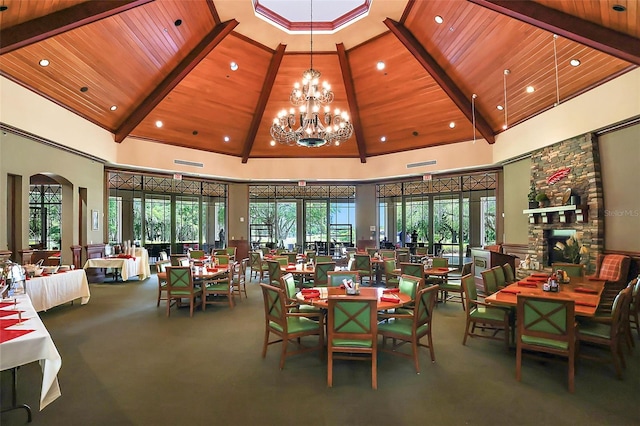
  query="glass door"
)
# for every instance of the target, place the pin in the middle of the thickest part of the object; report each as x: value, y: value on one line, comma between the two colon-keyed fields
x: 447, y: 240
x: 316, y: 232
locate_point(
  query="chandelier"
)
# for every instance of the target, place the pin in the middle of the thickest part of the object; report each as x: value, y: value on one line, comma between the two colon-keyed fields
x: 309, y: 127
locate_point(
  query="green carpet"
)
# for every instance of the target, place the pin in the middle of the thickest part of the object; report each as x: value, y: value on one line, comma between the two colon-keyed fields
x: 125, y: 363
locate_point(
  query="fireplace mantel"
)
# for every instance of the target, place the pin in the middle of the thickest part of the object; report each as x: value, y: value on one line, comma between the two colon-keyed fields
x: 564, y: 214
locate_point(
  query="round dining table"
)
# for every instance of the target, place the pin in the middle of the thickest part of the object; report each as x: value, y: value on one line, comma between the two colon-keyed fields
x: 387, y: 298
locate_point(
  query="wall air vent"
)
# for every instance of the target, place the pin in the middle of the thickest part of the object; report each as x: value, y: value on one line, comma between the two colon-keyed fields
x: 188, y: 163
x: 422, y: 163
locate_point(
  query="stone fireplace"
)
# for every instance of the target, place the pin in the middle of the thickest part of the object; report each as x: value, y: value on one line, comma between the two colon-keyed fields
x: 557, y: 222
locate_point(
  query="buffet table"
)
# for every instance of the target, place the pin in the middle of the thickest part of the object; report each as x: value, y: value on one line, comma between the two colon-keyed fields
x: 57, y: 289
x: 24, y: 339
x: 129, y: 266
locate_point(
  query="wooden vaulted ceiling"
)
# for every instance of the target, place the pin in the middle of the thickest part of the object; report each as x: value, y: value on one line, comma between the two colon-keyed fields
x: 134, y: 55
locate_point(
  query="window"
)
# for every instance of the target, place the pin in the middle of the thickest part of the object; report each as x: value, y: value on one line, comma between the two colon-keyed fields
x: 115, y: 219
x: 157, y: 218
x: 45, y: 216
x: 488, y: 224
x: 187, y: 220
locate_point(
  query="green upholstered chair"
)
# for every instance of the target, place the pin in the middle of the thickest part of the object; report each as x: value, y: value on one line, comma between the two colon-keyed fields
x: 489, y: 282
x: 275, y: 272
x: 410, y: 328
x: 288, y: 284
x: 371, y: 251
x: 222, y: 259
x: 363, y: 266
x: 292, y: 257
x: 239, y: 278
x: 413, y: 269
x: 572, y: 269
x: 501, y: 281
x: 334, y: 278
x: 409, y: 285
x: 282, y: 260
x: 422, y: 251
x: 197, y: 256
x: 320, y: 277
x: 509, y: 274
x: 488, y: 319
x: 403, y: 256
x: 311, y: 255
x: 220, y: 291
x: 546, y: 325
x: 610, y: 334
x: 388, y: 254
x: 352, y: 332
x: 390, y: 275
x: 265, y: 251
x: 454, y: 285
x: 437, y: 262
x: 257, y: 264
x: 161, y: 266
x: 220, y: 252
x: 290, y: 327
x: 323, y: 259
x: 180, y: 286
x: 231, y: 252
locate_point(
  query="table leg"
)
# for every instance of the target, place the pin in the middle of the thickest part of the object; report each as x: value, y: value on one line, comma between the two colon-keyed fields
x: 14, y: 396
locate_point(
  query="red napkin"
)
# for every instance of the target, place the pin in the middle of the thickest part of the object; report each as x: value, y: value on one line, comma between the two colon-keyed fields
x: 309, y: 290
x: 527, y: 284
x: 62, y: 272
x: 537, y: 279
x: 391, y: 290
x: 585, y: 290
x: 390, y: 298
x: 6, y: 335
x: 539, y: 275
x: 212, y: 269
x: 311, y: 295
x: 6, y: 304
x: 583, y: 303
x: 290, y: 268
x: 443, y: 269
x: 510, y: 290
x: 4, y: 323
x: 6, y: 313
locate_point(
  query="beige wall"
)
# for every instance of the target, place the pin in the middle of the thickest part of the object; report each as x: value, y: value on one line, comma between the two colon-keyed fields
x: 365, y: 212
x: 24, y: 157
x: 515, y: 191
x: 620, y: 159
x: 238, y: 212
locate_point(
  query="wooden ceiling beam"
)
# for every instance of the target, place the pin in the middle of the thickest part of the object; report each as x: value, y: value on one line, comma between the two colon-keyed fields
x: 265, y: 93
x: 440, y: 76
x: 208, y: 43
x: 64, y: 20
x: 352, y: 101
x: 612, y: 42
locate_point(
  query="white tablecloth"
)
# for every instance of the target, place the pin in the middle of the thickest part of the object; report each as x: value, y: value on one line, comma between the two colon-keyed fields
x: 34, y: 346
x: 128, y: 267
x: 53, y: 290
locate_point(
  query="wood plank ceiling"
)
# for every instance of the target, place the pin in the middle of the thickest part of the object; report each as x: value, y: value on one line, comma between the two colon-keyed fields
x: 169, y: 61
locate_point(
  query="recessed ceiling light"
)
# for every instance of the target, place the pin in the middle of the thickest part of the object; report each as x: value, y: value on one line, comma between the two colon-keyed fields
x: 226, y: 139
x: 438, y: 19
x: 618, y: 8
x: 380, y: 65
x: 383, y: 139
x: 233, y: 66
x: 500, y: 107
x: 272, y: 143
x: 84, y: 89
x: 3, y: 8
x: 113, y: 107
x: 159, y: 123
x: 530, y: 89
x: 337, y: 143
x: 177, y: 22
x: 504, y: 127
x: 452, y: 125
x: 574, y: 62
x: 44, y: 62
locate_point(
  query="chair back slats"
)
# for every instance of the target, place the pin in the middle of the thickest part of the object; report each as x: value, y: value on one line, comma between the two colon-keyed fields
x: 425, y: 304
x: 363, y: 262
x: 469, y: 288
x: 222, y: 259
x: 509, y: 274
x: 409, y: 285
x: 274, y: 272
x: 440, y: 262
x: 288, y: 284
x: 274, y: 305
x: 501, y: 280
x: 179, y: 278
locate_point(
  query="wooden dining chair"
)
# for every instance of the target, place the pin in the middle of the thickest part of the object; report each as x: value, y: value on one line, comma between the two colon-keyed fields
x: 290, y: 327
x: 334, y: 278
x: 231, y: 252
x: 410, y: 328
x: 352, y: 332
x: 275, y: 272
x: 180, y: 286
x: 546, y: 325
x: 390, y: 275
x: 239, y: 279
x: 454, y: 285
x: 409, y: 285
x: 323, y: 259
x: 218, y: 288
x: 509, y: 274
x: 501, y: 280
x: 364, y: 267
x: 161, y: 266
x: 320, y: 277
x: 489, y: 283
x: 572, y: 269
x: 413, y: 269
x: 634, y: 307
x: 488, y: 320
x: 257, y: 265
x: 609, y: 335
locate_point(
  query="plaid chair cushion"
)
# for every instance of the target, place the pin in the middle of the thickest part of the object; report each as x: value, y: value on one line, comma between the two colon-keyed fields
x: 611, y: 267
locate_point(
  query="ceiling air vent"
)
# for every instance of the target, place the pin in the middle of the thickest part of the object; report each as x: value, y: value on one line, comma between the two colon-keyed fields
x: 423, y: 163
x: 188, y: 163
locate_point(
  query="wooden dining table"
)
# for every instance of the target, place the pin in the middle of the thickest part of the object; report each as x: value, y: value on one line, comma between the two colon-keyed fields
x: 584, y: 292
x: 387, y: 298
